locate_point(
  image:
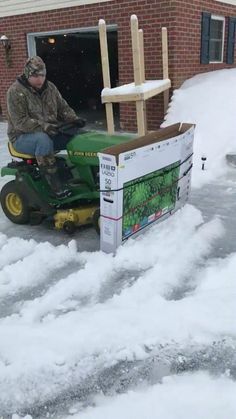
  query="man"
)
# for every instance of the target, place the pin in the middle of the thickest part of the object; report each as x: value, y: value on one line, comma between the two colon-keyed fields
x: 36, y: 110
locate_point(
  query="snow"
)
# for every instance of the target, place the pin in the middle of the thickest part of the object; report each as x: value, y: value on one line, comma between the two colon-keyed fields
x: 132, y: 89
x: 208, y: 100
x: 146, y: 333
x: 197, y: 396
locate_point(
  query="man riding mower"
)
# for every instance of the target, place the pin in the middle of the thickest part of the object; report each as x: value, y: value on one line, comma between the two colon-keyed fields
x: 29, y: 198
x: 65, y: 187
x: 36, y: 111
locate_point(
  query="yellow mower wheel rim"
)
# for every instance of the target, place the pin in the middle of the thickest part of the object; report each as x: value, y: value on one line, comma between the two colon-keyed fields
x: 14, y: 204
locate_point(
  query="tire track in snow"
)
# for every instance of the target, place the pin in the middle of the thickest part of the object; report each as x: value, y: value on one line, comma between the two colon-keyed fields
x: 87, y: 356
x: 218, y: 358
x: 104, y: 276
x: 31, y: 268
x: 13, y: 304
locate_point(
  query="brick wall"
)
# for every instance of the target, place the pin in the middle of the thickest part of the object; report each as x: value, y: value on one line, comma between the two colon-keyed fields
x: 182, y: 18
x: 185, y: 37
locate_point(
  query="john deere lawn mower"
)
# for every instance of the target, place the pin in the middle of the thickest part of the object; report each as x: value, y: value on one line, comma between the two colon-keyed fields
x: 27, y: 199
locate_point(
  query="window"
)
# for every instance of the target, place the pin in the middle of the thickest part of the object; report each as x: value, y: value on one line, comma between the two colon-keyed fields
x: 216, y: 48
x: 212, y: 43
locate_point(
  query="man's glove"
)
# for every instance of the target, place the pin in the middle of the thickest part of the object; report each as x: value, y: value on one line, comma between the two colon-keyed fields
x: 50, y: 129
x: 80, y: 122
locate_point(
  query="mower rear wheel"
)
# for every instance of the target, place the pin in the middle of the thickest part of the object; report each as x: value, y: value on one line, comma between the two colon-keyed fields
x: 14, y: 203
x: 96, y: 220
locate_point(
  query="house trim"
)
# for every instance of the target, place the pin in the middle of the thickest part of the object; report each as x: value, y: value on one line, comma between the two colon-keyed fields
x: 233, y: 2
x: 20, y: 7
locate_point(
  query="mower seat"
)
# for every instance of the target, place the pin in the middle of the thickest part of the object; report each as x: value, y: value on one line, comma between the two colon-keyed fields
x: 15, y: 153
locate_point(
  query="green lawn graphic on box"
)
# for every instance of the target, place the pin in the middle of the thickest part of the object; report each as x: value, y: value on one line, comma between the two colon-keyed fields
x: 147, y: 198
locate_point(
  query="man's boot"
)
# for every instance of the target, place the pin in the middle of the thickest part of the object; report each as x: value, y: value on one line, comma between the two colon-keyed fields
x: 48, y: 170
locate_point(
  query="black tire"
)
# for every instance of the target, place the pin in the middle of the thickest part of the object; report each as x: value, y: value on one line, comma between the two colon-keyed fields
x: 36, y: 218
x: 96, y: 220
x: 14, y: 204
x: 69, y: 227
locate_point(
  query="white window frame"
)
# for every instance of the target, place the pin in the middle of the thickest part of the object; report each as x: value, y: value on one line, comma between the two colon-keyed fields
x: 31, y: 44
x: 221, y: 18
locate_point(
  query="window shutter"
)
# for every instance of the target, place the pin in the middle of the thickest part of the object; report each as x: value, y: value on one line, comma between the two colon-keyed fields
x: 231, y: 41
x: 205, y: 41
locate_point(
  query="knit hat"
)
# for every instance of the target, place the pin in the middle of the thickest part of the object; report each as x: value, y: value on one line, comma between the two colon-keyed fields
x: 34, y: 66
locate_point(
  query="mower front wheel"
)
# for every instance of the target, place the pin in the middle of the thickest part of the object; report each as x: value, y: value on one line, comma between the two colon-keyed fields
x: 14, y: 203
x: 69, y: 227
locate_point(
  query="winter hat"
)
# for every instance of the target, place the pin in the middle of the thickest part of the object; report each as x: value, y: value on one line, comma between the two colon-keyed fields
x: 34, y: 66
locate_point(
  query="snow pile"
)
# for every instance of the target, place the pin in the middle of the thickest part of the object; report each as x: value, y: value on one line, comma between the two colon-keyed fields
x: 209, y: 101
x: 132, y: 89
x: 18, y: 275
x: 197, y: 396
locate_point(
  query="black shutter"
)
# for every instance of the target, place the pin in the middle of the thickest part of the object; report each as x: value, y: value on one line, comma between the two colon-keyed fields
x: 231, y: 41
x: 205, y: 41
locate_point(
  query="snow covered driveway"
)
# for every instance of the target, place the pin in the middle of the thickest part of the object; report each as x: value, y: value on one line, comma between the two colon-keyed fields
x: 145, y: 334
x: 76, y: 323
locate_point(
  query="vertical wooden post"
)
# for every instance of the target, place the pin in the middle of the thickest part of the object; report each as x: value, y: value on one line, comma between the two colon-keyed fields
x: 141, y: 46
x: 106, y: 73
x: 136, y: 50
x: 142, y: 67
x: 140, y: 111
x: 165, y: 65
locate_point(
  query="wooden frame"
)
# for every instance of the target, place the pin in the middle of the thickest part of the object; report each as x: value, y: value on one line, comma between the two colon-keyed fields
x: 139, y: 91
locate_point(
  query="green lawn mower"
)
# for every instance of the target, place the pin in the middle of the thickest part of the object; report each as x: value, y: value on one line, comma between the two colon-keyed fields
x: 28, y: 199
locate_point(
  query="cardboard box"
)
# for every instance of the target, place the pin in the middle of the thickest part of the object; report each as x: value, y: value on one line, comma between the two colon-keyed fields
x: 143, y: 182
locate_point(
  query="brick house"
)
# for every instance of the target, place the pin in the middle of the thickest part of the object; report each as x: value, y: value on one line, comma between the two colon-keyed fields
x: 201, y: 36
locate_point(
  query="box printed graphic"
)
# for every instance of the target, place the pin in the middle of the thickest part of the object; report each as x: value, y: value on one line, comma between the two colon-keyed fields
x: 149, y: 197
x: 144, y: 181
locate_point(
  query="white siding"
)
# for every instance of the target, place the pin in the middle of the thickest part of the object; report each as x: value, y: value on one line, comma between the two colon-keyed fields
x: 233, y: 2
x: 20, y: 7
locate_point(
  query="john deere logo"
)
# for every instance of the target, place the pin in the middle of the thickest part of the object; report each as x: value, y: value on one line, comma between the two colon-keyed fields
x: 83, y: 153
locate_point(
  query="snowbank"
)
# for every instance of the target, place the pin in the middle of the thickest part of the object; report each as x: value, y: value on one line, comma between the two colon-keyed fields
x: 209, y: 101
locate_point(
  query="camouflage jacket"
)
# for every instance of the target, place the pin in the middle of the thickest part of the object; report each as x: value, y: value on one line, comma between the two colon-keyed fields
x: 30, y: 110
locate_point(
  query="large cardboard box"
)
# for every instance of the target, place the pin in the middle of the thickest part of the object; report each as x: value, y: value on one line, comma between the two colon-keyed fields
x: 143, y: 182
